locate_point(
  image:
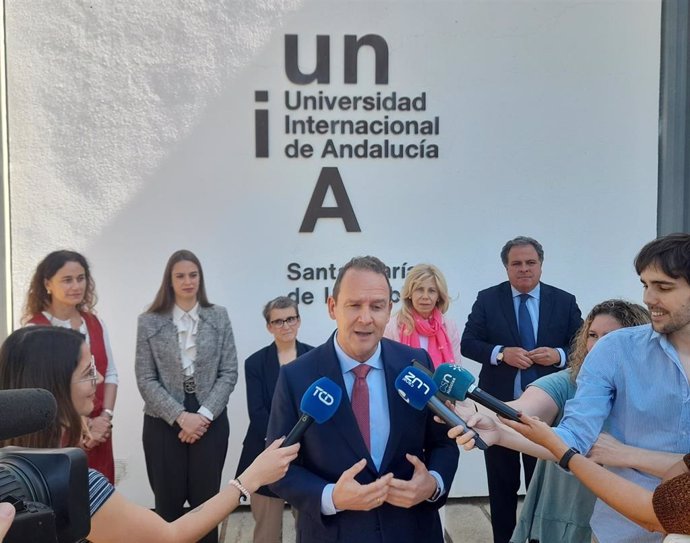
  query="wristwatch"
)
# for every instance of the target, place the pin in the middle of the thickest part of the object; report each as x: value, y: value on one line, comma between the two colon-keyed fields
x: 499, y: 356
x: 109, y: 413
x: 437, y: 493
x: 565, y: 459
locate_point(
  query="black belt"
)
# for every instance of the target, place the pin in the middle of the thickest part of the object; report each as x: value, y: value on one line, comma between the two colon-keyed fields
x: 189, y: 385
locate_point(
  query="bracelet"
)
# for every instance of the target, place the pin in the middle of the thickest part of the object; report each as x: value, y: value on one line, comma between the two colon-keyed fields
x: 109, y: 413
x: 565, y: 459
x: 244, y: 493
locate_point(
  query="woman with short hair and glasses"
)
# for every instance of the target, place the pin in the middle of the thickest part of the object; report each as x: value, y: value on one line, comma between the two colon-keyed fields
x: 59, y: 361
x: 261, y: 374
x: 62, y: 293
x: 186, y: 368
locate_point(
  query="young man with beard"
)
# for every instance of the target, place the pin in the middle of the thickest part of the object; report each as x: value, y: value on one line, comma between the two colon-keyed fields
x: 636, y: 380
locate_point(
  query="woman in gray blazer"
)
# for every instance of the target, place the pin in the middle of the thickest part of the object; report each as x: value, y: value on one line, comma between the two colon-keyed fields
x: 186, y: 368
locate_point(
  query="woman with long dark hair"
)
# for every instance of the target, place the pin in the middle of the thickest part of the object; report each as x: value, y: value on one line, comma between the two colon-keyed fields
x: 186, y: 368
x: 63, y: 293
x: 59, y: 361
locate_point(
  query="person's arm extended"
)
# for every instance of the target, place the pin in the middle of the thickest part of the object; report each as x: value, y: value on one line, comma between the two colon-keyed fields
x: 627, y: 498
x: 610, y: 452
x: 121, y: 521
x: 534, y: 401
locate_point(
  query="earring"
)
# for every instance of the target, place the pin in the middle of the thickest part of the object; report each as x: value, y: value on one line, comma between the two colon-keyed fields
x: 48, y: 292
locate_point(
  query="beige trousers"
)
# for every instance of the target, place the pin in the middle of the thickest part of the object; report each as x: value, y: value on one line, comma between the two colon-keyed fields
x: 268, y: 518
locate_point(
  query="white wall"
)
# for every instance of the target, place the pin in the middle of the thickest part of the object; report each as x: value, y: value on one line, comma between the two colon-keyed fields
x: 132, y: 135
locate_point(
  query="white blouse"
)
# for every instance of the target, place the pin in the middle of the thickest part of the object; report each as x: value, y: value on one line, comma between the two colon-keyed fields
x: 111, y: 371
x: 187, y: 323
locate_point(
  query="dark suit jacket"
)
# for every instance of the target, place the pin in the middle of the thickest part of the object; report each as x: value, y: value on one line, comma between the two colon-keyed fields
x: 492, y: 322
x: 261, y: 374
x: 333, y: 447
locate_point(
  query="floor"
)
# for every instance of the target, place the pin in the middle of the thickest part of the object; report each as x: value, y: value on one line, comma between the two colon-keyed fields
x: 467, y: 521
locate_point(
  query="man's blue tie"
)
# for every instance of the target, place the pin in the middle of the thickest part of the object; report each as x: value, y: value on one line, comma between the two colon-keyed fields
x: 527, y: 340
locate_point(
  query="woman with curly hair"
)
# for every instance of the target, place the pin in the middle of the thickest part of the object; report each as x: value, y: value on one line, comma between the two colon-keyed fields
x: 63, y: 293
x: 557, y: 507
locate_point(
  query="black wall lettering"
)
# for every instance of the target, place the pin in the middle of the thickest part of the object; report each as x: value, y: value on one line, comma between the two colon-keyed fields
x: 352, y: 46
x: 330, y: 177
x: 322, y: 71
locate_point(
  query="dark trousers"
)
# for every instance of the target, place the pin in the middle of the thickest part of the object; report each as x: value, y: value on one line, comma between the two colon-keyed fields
x: 503, y: 476
x: 179, y: 472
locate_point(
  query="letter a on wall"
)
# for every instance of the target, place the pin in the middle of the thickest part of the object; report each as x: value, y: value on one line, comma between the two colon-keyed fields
x: 330, y: 177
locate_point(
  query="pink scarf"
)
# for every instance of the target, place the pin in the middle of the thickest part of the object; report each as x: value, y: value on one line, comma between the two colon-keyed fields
x: 439, y: 349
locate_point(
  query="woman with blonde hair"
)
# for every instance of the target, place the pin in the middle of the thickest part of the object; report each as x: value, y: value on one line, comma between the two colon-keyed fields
x: 421, y: 321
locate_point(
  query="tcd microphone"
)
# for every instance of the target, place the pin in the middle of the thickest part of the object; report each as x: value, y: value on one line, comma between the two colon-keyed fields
x: 319, y: 403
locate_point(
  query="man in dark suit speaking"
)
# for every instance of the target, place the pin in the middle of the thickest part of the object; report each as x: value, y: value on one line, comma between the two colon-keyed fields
x: 518, y: 331
x: 378, y: 470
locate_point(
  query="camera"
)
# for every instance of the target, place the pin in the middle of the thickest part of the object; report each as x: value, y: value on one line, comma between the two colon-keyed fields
x: 49, y: 488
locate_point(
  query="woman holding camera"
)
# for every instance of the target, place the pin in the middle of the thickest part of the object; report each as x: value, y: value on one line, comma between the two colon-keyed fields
x: 59, y: 361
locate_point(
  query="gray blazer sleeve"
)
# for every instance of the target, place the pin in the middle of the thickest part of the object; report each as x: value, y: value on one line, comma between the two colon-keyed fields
x: 159, y: 368
x: 223, y: 382
x: 159, y: 400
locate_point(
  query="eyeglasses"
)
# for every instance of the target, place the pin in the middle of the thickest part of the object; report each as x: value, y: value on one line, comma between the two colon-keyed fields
x: 92, y: 375
x: 279, y: 323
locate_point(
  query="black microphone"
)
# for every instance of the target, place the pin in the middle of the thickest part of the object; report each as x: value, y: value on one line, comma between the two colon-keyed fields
x: 458, y: 383
x: 25, y: 411
x: 419, y: 390
x: 319, y: 403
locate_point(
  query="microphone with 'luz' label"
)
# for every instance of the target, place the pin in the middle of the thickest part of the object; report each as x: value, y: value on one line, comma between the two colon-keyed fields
x: 419, y: 390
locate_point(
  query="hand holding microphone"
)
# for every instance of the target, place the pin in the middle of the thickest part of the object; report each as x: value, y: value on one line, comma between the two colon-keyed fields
x: 319, y: 403
x: 419, y: 390
x: 458, y: 383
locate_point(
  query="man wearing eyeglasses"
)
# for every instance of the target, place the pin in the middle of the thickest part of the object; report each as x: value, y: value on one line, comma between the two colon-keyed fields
x: 261, y: 374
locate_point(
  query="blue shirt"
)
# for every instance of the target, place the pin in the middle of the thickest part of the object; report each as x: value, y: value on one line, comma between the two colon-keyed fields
x: 633, y: 380
x: 379, y: 414
x: 379, y: 419
x: 532, y: 304
x: 378, y: 410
